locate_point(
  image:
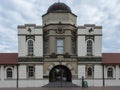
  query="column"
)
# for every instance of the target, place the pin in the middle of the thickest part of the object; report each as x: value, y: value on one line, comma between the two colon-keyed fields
x: 2, y: 72
x: 117, y: 72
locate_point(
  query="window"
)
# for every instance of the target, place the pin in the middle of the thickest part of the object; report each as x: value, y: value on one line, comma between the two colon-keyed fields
x: 9, y: 73
x: 60, y: 46
x: 89, y: 72
x: 30, y: 71
x: 89, y: 47
x: 110, y: 73
x: 30, y: 47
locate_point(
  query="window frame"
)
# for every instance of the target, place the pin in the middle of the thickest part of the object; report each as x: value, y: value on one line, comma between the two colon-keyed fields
x: 59, y: 48
x: 31, y: 71
x: 89, y: 47
x: 9, y: 74
x: 89, y: 72
x: 30, y: 43
x: 110, y: 72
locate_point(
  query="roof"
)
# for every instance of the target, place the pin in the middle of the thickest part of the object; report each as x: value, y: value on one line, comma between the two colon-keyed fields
x: 8, y: 58
x: 59, y: 7
x: 111, y: 58
x: 12, y: 58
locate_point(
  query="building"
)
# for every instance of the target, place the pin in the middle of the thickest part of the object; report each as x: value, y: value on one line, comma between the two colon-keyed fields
x: 59, y: 50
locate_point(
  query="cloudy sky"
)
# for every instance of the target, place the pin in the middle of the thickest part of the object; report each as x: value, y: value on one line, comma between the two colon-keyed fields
x: 100, y: 12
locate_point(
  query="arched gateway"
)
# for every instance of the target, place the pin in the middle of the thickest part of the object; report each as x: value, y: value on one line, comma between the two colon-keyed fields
x: 60, y: 73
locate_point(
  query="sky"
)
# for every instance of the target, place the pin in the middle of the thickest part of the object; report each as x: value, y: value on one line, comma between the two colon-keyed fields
x: 105, y: 13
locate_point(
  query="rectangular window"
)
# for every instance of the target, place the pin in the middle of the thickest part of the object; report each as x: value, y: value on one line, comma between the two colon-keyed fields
x: 30, y: 47
x: 89, y: 47
x: 60, y: 46
x: 30, y: 71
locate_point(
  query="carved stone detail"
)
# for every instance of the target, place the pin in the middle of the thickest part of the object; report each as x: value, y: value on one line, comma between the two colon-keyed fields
x: 30, y: 37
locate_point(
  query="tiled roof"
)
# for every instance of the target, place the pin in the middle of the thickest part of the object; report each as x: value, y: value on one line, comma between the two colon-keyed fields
x: 111, y: 58
x: 8, y: 58
x: 12, y: 58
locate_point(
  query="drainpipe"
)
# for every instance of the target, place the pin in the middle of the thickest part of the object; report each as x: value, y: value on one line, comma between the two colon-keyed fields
x: 17, y: 76
x: 103, y: 77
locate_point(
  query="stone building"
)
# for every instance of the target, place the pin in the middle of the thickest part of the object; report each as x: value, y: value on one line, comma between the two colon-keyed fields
x: 59, y: 50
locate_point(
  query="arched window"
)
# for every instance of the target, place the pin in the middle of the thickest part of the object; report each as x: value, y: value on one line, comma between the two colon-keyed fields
x: 89, y: 47
x: 9, y: 73
x: 30, y: 47
x: 89, y: 71
x: 110, y: 73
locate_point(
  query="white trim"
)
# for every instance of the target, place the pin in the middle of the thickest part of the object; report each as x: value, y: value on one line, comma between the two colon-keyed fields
x: 5, y: 72
x: 114, y: 71
x: 93, y: 45
x: 33, y: 46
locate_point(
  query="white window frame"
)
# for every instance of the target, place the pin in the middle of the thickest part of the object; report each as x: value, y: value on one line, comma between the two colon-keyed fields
x: 6, y: 72
x: 30, y: 52
x: 113, y: 71
x: 89, y: 49
x: 60, y: 48
x: 31, y: 71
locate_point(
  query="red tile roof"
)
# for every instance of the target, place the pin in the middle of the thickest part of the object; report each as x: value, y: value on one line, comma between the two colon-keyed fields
x: 12, y: 58
x: 8, y: 58
x: 111, y: 58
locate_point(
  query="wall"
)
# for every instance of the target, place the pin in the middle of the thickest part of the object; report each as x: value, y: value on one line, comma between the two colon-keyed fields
x: 23, y: 79
x: 53, y: 18
x: 96, y: 32
x: 33, y: 83
x: 4, y: 82
x: 22, y: 41
x: 115, y: 81
x: 37, y: 81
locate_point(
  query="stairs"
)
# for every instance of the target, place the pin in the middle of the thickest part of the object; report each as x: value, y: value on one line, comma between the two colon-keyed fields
x: 60, y: 84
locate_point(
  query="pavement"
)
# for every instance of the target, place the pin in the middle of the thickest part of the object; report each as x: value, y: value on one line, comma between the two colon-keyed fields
x: 77, y: 88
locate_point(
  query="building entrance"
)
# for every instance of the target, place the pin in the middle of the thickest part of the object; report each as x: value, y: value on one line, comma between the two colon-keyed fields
x: 60, y: 73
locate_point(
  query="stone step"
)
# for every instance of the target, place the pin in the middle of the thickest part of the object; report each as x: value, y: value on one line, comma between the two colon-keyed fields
x: 60, y: 84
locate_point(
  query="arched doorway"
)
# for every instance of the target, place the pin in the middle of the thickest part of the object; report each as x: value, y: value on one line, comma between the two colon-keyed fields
x: 60, y: 73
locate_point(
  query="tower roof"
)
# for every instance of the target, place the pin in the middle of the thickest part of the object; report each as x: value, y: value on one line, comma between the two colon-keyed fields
x: 59, y: 7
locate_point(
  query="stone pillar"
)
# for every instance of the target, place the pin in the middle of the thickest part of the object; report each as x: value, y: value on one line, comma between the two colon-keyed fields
x: 117, y: 72
x: 2, y: 72
x: 15, y: 72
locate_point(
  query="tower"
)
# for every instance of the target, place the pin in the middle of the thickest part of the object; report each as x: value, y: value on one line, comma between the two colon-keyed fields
x: 59, y: 36
x: 59, y: 25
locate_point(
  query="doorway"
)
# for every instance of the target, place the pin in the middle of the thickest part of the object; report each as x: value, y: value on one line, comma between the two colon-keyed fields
x: 60, y: 73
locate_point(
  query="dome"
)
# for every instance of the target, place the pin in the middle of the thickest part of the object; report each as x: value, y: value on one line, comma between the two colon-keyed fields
x: 58, y: 7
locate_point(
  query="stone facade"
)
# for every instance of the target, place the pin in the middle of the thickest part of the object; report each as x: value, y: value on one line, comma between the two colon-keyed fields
x: 59, y: 48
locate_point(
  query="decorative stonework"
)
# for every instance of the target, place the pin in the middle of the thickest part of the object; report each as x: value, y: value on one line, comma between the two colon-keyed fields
x: 59, y: 30
x: 90, y: 30
x: 30, y: 37
x: 90, y: 59
x: 68, y: 65
x: 30, y: 59
x: 89, y: 37
x: 29, y: 30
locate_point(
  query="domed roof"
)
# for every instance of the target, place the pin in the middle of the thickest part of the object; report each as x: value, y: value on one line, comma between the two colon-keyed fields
x: 59, y: 7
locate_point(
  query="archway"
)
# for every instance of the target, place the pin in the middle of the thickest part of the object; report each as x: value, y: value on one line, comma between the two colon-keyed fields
x: 60, y: 73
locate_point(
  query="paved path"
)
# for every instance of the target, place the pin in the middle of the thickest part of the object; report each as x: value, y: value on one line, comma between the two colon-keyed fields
x: 89, y: 88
